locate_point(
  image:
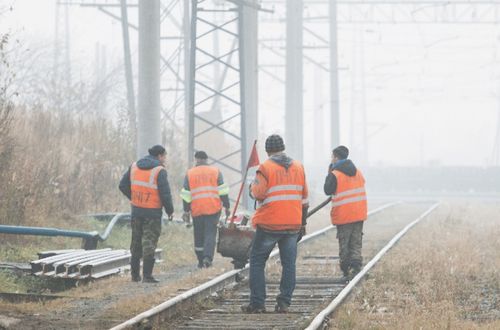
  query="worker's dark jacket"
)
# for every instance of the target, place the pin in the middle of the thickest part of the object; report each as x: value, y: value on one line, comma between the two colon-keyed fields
x: 146, y: 163
x: 345, y: 166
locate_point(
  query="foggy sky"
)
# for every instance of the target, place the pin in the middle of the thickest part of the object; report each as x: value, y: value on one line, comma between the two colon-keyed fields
x: 433, y: 90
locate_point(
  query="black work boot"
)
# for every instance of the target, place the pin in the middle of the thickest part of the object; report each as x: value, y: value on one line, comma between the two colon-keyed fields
x: 147, y: 270
x: 252, y: 309
x: 281, y: 307
x: 207, y: 263
x: 135, y: 269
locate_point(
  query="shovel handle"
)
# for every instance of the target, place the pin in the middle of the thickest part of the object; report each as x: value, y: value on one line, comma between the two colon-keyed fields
x: 319, y: 207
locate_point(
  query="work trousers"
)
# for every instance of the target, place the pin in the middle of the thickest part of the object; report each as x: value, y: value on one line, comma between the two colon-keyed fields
x: 263, y: 244
x: 205, y: 233
x: 145, y: 234
x: 350, y: 238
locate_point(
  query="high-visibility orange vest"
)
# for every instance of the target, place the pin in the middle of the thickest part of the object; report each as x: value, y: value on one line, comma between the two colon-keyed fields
x: 349, y: 202
x: 205, y: 199
x: 144, y: 187
x: 282, y: 207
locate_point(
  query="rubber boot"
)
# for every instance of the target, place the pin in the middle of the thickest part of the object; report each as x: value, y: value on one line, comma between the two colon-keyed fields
x: 354, y: 271
x: 135, y: 269
x: 147, y: 270
x: 345, y: 273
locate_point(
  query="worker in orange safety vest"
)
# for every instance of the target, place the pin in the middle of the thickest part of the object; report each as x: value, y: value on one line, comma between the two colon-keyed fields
x: 346, y: 184
x: 146, y: 185
x: 204, y: 194
x: 281, y: 192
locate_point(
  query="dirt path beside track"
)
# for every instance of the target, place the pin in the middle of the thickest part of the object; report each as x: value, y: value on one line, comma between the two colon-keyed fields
x: 107, y: 302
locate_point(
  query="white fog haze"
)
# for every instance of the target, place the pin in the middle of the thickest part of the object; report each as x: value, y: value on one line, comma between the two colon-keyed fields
x: 249, y: 164
x: 410, y: 94
x: 431, y: 90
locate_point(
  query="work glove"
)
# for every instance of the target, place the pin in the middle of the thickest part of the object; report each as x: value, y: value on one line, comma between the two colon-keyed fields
x: 302, y: 233
x: 228, y: 212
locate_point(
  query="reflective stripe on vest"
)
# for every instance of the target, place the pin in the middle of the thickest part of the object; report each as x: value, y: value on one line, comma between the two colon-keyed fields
x: 204, y: 188
x: 349, y: 192
x: 284, y: 197
x: 349, y: 200
x: 205, y: 195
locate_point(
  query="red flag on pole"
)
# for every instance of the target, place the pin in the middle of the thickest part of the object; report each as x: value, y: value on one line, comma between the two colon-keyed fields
x: 254, y: 158
x: 252, y: 161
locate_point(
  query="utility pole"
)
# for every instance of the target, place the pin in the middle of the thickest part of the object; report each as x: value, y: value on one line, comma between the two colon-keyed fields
x: 186, y: 27
x: 334, y: 78
x: 149, y: 132
x: 294, y: 136
x: 358, y: 140
x: 496, y: 144
x: 248, y: 45
x: 129, y: 77
x: 62, y: 56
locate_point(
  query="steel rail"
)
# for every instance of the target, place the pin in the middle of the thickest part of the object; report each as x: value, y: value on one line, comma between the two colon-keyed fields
x: 216, y: 284
x: 322, y: 317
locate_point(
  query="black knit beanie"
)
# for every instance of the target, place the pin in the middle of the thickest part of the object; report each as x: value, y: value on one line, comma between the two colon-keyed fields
x: 341, y: 152
x: 200, y: 155
x: 274, y: 143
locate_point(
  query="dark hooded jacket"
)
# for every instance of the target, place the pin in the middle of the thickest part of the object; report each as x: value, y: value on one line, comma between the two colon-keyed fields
x: 282, y: 159
x: 146, y: 163
x: 347, y: 167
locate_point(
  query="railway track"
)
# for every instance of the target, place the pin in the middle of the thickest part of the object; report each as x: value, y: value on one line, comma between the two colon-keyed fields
x: 216, y: 304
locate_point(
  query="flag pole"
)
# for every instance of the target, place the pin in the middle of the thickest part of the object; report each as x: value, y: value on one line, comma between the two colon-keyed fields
x: 242, y: 183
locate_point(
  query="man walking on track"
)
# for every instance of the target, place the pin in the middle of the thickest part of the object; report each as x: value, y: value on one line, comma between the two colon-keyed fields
x: 203, y: 196
x: 146, y: 186
x: 346, y: 184
x: 280, y: 189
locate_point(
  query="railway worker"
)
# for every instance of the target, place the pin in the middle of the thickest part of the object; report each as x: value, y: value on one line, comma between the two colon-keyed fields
x: 280, y: 189
x: 146, y: 186
x: 204, y: 194
x: 346, y: 184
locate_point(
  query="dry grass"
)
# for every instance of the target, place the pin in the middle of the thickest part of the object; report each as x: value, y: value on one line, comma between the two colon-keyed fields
x: 443, y: 275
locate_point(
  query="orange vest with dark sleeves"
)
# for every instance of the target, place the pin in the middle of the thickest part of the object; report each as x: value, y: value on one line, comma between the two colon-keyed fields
x: 349, y: 202
x: 144, y: 187
x: 282, y: 207
x: 205, y: 199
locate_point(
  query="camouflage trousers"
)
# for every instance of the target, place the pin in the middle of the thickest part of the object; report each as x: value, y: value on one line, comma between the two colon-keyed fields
x: 350, y: 238
x: 145, y: 234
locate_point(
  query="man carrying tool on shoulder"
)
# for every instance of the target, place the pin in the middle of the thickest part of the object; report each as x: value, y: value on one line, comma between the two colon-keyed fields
x: 146, y: 186
x: 204, y: 193
x: 346, y: 184
x: 280, y: 189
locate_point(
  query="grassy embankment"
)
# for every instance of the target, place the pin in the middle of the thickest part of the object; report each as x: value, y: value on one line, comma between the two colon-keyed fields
x: 445, y: 274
